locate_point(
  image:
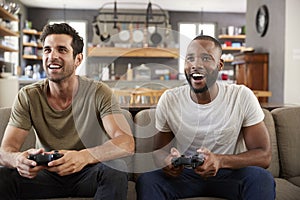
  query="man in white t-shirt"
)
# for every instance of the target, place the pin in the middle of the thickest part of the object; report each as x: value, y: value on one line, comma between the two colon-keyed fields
x: 222, y: 122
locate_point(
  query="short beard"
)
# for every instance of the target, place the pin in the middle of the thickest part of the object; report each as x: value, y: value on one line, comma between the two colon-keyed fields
x: 60, y: 79
x: 211, y: 78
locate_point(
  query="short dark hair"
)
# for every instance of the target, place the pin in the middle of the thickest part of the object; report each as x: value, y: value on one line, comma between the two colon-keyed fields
x: 64, y: 28
x: 209, y: 38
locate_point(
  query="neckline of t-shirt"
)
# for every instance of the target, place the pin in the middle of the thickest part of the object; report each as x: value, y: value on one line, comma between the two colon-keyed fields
x: 212, y: 103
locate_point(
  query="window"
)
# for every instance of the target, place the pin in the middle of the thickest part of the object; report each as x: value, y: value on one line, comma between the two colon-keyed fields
x: 187, y: 31
x: 80, y: 27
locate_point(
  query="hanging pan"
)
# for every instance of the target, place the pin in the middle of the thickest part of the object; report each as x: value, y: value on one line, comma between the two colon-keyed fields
x: 124, y: 34
x: 156, y: 38
x: 137, y: 35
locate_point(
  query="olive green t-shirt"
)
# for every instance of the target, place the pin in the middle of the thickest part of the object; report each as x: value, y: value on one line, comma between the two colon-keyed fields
x: 77, y: 127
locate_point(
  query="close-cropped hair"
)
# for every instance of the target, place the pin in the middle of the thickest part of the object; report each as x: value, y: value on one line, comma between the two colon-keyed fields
x: 209, y: 38
x: 64, y: 28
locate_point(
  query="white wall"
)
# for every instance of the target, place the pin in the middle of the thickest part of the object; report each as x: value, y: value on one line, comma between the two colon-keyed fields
x: 292, y: 53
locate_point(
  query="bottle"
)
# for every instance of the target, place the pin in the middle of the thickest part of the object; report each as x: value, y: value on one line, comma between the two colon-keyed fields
x: 112, y: 72
x: 105, y: 73
x: 129, y: 73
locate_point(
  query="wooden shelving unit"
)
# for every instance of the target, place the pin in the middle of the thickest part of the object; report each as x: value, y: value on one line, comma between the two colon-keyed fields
x: 133, y: 52
x: 5, y: 31
x: 6, y: 15
x: 34, y: 45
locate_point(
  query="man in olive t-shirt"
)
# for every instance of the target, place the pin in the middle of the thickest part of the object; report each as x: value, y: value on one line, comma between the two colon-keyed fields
x: 75, y: 116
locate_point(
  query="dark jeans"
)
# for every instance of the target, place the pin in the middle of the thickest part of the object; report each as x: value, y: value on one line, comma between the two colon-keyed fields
x: 247, y: 183
x: 98, y: 181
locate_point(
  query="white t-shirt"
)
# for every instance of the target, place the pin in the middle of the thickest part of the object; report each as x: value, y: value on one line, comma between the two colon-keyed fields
x: 215, y: 125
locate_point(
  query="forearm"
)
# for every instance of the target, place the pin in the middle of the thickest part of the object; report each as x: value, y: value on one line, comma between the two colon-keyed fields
x: 254, y: 157
x: 8, y: 159
x: 117, y: 147
x: 160, y: 157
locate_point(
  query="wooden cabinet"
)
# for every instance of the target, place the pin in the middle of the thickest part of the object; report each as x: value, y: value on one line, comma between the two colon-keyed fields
x: 251, y: 69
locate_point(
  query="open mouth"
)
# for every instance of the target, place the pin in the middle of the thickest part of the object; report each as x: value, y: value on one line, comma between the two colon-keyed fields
x: 198, y: 76
x: 54, y: 66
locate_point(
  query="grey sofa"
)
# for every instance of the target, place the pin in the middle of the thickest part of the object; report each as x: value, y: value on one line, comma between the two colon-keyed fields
x: 283, y: 125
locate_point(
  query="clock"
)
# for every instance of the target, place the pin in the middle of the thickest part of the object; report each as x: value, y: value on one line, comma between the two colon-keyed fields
x: 262, y: 20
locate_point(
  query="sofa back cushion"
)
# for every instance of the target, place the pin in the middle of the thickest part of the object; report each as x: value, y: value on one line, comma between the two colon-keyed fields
x: 287, y: 124
x: 144, y: 141
x: 4, y: 118
x: 269, y: 122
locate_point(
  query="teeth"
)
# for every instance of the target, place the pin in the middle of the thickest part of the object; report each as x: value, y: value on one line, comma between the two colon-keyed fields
x: 54, y: 66
x: 198, y: 75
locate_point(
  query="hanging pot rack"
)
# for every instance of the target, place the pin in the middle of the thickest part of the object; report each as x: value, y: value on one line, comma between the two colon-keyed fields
x: 152, y: 15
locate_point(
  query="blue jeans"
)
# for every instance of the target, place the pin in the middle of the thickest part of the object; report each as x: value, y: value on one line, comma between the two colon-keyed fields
x: 247, y: 183
x: 98, y: 181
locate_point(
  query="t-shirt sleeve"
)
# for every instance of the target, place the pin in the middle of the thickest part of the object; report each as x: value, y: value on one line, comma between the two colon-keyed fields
x: 161, y: 113
x: 20, y: 115
x: 106, y: 101
x: 253, y: 113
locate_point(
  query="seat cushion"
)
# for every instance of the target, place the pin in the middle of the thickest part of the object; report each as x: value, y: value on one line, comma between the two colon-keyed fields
x: 286, y: 190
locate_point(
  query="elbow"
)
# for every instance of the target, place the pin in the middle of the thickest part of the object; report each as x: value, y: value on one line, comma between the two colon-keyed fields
x: 130, y: 145
x: 267, y: 158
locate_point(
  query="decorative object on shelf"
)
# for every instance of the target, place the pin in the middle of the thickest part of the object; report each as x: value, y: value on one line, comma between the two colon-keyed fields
x: 262, y: 20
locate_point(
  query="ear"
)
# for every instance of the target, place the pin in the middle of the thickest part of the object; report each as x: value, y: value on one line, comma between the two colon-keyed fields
x: 221, y: 64
x: 78, y: 59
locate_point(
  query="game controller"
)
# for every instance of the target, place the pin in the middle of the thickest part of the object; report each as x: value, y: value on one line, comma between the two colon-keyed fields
x: 44, y: 159
x: 193, y: 161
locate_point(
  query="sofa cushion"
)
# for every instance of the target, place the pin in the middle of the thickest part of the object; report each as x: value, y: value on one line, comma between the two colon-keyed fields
x: 269, y: 122
x: 286, y: 190
x: 144, y: 140
x: 287, y: 124
x: 4, y: 117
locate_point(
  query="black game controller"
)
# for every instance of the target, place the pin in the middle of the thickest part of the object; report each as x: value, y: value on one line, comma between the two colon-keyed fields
x: 44, y: 159
x: 193, y: 161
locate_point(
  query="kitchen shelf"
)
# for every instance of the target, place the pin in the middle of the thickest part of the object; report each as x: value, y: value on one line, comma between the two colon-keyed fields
x: 232, y: 37
x: 32, y: 57
x: 6, y: 15
x: 7, y: 49
x: 148, y: 52
x: 232, y: 48
x: 31, y: 32
x: 6, y: 32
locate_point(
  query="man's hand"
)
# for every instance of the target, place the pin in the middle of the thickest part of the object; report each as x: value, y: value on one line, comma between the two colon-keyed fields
x: 170, y: 169
x: 210, y: 166
x: 28, y: 168
x: 71, y: 162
